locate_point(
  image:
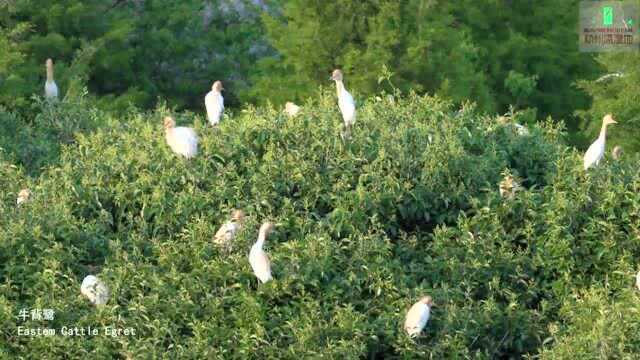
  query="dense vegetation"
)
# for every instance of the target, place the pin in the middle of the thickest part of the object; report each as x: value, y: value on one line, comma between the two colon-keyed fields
x: 409, y: 206
x: 494, y: 53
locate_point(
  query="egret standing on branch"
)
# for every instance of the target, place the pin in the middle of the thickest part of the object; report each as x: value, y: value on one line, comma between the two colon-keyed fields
x: 182, y: 140
x: 418, y: 316
x: 596, y: 151
x: 228, y: 230
x: 345, y: 102
x: 50, y: 87
x: 258, y: 259
x: 214, y: 102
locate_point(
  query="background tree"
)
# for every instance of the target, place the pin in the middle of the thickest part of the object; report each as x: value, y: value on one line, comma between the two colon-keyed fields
x: 143, y: 49
x: 419, y: 41
x: 617, y: 91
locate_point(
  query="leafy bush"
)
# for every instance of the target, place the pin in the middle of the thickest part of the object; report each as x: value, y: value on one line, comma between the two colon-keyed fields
x: 408, y: 206
x: 37, y: 143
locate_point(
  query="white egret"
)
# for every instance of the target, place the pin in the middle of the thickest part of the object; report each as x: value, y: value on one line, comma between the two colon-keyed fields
x: 214, y: 102
x: 229, y: 229
x: 345, y: 100
x: 182, y: 140
x: 258, y: 259
x: 95, y: 290
x: 595, y: 153
x: 418, y: 316
x: 50, y: 87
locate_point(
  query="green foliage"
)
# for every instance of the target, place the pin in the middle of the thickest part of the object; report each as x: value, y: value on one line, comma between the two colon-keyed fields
x: 408, y: 206
x: 601, y: 326
x: 417, y: 40
x: 617, y: 95
x: 37, y: 143
x: 532, y: 39
x: 139, y: 51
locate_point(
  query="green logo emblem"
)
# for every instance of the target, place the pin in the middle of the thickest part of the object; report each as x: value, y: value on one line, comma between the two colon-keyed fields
x: 607, y: 15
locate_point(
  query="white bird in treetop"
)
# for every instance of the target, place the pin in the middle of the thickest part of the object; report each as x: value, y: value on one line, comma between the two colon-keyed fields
x: 596, y: 151
x: 345, y: 100
x: 229, y: 229
x: 214, y: 102
x: 638, y: 280
x: 95, y: 290
x: 50, y: 87
x: 617, y: 152
x: 418, y: 316
x: 182, y: 140
x: 291, y: 109
x: 23, y: 196
x: 258, y: 259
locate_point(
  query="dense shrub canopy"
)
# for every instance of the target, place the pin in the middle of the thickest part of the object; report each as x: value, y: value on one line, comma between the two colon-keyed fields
x: 409, y: 206
x: 495, y: 53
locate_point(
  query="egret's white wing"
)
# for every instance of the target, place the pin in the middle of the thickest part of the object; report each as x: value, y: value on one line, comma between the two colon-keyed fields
x: 594, y: 154
x: 261, y: 265
x: 417, y: 318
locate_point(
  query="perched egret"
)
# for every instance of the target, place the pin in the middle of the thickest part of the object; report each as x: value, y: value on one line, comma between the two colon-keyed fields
x: 509, y: 186
x: 345, y: 100
x: 291, y: 109
x: 95, y: 290
x: 50, y: 87
x: 23, y: 196
x: 229, y: 229
x: 638, y: 280
x: 596, y: 151
x: 182, y: 140
x: 214, y: 102
x: 617, y: 152
x: 258, y: 259
x: 418, y: 316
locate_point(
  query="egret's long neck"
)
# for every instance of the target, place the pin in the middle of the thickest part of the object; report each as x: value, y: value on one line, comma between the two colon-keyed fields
x: 339, y: 87
x: 49, y: 72
x: 603, y: 132
x: 262, y: 236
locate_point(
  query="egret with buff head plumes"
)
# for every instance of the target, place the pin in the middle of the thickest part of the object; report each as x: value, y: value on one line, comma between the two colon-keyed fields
x: 214, y: 102
x: 50, y: 87
x: 345, y: 101
x: 258, y: 258
x: 595, y: 153
x: 182, y: 140
x: 227, y: 232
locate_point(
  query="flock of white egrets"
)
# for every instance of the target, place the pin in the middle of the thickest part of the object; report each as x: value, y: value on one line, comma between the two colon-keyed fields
x: 184, y: 141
